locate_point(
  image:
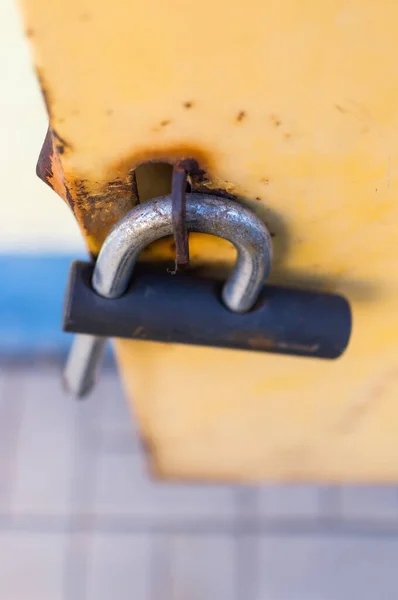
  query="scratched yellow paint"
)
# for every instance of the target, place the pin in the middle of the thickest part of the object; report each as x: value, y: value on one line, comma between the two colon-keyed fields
x: 293, y: 106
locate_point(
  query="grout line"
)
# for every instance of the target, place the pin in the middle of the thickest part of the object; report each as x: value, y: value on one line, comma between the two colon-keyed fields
x: 246, y: 566
x: 161, y: 568
x: 117, y: 525
x: 12, y: 413
x: 245, y: 550
x: 329, y: 504
x: 82, y: 494
x: 75, y: 567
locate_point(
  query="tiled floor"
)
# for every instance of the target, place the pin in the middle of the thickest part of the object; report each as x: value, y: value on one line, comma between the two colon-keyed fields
x: 81, y: 520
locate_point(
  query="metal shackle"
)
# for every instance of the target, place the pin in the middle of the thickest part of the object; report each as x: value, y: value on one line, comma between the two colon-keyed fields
x: 150, y: 221
x: 213, y: 215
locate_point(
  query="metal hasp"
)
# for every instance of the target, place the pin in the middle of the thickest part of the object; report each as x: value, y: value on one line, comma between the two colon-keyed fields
x: 150, y: 221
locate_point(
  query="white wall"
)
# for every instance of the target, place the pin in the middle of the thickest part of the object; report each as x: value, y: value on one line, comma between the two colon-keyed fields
x: 33, y: 217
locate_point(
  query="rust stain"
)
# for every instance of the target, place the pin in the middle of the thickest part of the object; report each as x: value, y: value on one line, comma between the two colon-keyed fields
x: 138, y: 331
x: 196, y: 174
x: 197, y: 163
x: 275, y: 120
x: 189, y: 104
x: 167, y: 154
x: 98, y: 205
x: 240, y: 116
x: 359, y: 410
x: 354, y: 416
x: 178, y: 201
x: 60, y: 139
x: 260, y: 342
x: 49, y: 169
x: 44, y: 164
x: 61, y: 144
x: 97, y: 210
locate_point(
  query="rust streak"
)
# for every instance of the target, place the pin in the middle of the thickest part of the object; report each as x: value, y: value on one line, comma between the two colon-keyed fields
x: 98, y: 205
x: 241, y: 115
x: 179, y: 185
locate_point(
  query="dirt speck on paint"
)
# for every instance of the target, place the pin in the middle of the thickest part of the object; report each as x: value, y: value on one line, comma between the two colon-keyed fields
x: 61, y: 144
x: 241, y: 116
x: 275, y: 120
x: 364, y: 408
x: 85, y: 17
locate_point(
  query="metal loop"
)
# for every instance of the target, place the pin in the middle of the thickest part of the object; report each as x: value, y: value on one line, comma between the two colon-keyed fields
x: 217, y: 216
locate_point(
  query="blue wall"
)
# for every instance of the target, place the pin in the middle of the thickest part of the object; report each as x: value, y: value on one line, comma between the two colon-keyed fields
x: 31, y: 300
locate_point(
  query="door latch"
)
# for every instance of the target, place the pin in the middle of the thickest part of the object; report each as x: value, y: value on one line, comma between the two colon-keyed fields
x: 109, y: 300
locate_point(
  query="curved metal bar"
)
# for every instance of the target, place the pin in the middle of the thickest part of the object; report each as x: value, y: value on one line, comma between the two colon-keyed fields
x: 205, y: 214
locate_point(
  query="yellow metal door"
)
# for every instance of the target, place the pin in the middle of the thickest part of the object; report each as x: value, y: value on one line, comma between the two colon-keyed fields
x: 292, y: 106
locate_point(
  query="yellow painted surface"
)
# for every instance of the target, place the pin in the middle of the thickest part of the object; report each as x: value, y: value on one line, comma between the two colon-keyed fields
x: 293, y: 106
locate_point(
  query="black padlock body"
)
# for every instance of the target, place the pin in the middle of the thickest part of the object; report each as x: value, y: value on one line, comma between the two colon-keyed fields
x: 187, y: 309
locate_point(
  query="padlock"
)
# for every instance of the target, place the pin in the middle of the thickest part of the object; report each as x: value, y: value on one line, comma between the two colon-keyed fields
x: 105, y: 301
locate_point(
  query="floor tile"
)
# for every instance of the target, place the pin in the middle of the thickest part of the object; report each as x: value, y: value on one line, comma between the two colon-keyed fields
x: 119, y: 568
x: 32, y: 566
